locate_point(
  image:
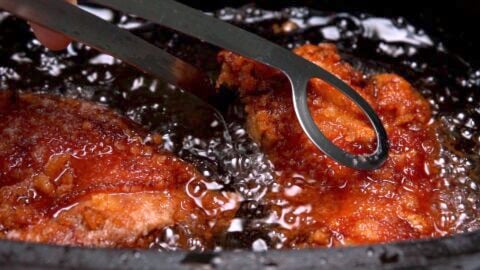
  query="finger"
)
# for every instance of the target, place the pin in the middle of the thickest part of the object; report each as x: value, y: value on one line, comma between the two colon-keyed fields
x: 51, y: 39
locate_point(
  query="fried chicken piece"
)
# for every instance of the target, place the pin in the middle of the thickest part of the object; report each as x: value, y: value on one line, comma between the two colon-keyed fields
x: 77, y: 173
x: 316, y: 201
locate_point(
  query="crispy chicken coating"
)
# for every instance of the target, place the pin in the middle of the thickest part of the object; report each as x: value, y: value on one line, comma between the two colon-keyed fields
x: 76, y: 173
x: 316, y: 201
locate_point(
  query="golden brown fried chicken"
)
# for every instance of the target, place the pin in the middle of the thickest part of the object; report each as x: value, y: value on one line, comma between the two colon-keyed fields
x: 76, y: 173
x: 318, y: 202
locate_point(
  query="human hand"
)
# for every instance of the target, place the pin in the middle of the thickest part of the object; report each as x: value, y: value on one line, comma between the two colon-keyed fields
x: 53, y: 40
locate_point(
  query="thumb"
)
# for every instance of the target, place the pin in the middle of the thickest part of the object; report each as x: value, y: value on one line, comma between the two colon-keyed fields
x: 51, y: 39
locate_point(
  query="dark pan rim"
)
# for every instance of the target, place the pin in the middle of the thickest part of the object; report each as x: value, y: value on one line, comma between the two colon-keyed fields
x: 454, y: 252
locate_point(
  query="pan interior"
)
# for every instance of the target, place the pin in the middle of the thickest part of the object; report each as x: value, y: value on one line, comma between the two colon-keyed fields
x: 232, y: 161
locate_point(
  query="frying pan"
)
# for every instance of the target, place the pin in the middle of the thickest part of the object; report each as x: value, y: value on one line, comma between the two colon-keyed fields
x: 453, y: 21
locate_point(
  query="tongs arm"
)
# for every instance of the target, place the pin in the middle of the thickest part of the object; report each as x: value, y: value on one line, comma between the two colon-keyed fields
x: 299, y: 71
x: 106, y: 37
x: 121, y: 44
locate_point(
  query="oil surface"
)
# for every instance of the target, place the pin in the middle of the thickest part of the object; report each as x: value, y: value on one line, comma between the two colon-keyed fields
x: 228, y: 157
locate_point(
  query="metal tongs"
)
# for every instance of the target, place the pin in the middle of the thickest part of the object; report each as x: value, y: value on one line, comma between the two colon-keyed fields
x: 95, y: 32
